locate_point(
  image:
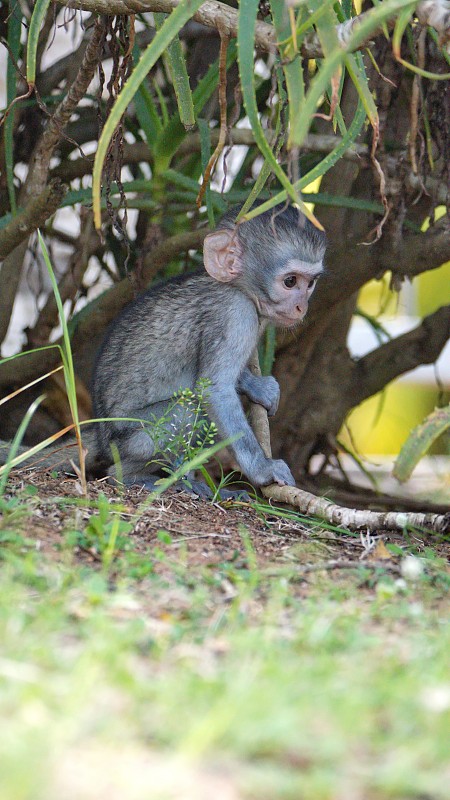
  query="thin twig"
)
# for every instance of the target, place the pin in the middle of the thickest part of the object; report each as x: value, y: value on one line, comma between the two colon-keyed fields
x: 224, y: 39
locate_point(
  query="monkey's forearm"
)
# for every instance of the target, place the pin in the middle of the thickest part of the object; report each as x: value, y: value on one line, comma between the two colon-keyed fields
x: 228, y: 414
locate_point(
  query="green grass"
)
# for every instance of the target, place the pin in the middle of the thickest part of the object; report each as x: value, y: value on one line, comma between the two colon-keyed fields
x: 159, y: 676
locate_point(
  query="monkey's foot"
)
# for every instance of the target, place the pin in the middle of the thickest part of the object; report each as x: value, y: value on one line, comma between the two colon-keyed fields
x: 201, y: 489
x: 194, y: 487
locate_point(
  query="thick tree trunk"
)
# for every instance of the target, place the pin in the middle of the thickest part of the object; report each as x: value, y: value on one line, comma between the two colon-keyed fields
x: 320, y: 382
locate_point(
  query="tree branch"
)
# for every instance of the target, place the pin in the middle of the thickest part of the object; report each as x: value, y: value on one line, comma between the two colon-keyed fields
x: 214, y: 14
x: 311, y: 505
x: 27, y: 221
x: 135, y: 152
x: 92, y: 320
x: 419, y: 346
x: 40, y: 162
x: 43, y: 152
x: 421, y: 252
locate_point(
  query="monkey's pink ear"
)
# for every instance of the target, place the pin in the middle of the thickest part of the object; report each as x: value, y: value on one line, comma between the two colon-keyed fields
x: 222, y: 255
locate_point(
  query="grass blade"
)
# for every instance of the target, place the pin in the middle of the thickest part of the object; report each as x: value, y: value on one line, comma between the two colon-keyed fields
x: 6, y: 469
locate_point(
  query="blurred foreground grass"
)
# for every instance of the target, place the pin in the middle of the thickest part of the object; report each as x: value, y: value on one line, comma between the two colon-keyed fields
x: 218, y: 682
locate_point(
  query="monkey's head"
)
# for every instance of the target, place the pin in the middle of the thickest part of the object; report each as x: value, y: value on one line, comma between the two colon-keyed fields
x: 275, y: 259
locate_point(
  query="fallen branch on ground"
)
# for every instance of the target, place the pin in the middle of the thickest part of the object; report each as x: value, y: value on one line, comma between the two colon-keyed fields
x: 311, y: 505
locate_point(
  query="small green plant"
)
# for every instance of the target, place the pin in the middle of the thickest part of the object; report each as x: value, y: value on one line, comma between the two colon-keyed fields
x: 185, y: 431
x: 104, y: 535
x: 183, y: 435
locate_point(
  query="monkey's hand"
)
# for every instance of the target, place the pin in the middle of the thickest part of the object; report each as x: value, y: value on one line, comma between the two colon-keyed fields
x: 263, y: 390
x: 277, y: 471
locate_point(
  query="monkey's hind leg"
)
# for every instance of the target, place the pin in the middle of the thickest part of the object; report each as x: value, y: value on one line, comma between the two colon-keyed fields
x: 135, y: 450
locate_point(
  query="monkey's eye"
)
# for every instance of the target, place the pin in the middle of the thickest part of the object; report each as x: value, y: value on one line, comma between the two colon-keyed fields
x: 290, y: 281
x: 312, y: 283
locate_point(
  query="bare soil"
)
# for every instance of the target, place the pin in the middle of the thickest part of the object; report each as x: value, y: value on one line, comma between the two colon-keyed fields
x: 210, y: 533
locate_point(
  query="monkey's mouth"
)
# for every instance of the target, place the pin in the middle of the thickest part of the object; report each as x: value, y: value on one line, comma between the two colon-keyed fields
x: 288, y: 322
x: 277, y: 318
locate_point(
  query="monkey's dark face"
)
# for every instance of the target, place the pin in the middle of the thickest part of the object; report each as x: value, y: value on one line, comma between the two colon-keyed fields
x: 285, y: 301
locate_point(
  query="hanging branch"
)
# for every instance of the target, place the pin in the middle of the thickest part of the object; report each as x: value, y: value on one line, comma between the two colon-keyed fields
x: 311, y: 505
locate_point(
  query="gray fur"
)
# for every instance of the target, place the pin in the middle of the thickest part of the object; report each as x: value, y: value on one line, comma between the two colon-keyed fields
x: 195, y: 327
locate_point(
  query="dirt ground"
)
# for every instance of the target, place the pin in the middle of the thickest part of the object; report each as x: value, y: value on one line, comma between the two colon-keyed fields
x: 210, y: 533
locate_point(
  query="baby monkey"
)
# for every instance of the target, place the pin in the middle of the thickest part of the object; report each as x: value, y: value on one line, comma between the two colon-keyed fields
x: 205, y: 325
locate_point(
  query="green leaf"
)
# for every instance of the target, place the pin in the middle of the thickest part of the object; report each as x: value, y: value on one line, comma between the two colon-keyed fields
x: 180, y: 78
x: 293, y: 69
x: 267, y: 350
x: 66, y: 350
x: 14, y: 30
x: 173, y: 133
x: 37, y: 18
x: 245, y: 41
x: 401, y: 24
x: 181, y: 14
x: 265, y: 170
x: 356, y: 70
x: 326, y: 26
x: 420, y: 441
x: 324, y: 165
x: 146, y: 112
x: 16, y: 442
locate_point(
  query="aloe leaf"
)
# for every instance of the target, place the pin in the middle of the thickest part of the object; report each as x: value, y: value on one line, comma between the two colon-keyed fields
x: 420, y: 441
x: 265, y: 170
x: 293, y: 69
x: 324, y: 165
x: 401, y: 24
x: 312, y: 19
x: 246, y: 35
x: 326, y: 27
x: 14, y: 29
x: 358, y: 75
x: 181, y: 14
x: 179, y: 76
x: 37, y: 18
x: 146, y: 112
x: 173, y: 133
